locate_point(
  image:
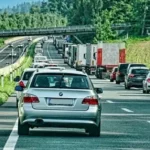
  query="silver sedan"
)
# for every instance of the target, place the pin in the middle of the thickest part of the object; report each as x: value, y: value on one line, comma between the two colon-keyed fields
x: 59, y: 98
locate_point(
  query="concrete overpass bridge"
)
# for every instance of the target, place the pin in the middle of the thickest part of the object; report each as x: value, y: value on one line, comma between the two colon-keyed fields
x: 69, y: 30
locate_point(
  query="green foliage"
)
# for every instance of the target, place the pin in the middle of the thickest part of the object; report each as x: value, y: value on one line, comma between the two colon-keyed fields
x: 8, y: 88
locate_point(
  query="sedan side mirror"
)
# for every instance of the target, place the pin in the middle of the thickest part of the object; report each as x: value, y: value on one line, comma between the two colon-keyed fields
x: 17, y: 79
x: 99, y: 90
x: 18, y: 88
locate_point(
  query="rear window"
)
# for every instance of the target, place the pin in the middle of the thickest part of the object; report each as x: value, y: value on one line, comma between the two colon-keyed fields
x: 68, y: 81
x: 137, y: 65
x: 123, y: 67
x: 140, y: 71
x: 27, y: 75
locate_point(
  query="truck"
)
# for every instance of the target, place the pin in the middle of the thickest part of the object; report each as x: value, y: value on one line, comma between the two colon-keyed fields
x: 72, y: 55
x: 80, y: 60
x: 91, y: 50
x: 108, y: 56
x: 59, y: 45
x: 65, y: 51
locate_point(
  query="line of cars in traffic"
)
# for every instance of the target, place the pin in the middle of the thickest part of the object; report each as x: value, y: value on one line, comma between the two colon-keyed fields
x: 53, y: 96
x: 133, y: 75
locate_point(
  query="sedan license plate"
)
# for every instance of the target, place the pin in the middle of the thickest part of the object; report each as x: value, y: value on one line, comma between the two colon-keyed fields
x: 60, y: 102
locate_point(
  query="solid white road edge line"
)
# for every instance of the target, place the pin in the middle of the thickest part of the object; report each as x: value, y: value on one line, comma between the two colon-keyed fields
x: 127, y: 110
x: 13, y: 138
x: 109, y: 101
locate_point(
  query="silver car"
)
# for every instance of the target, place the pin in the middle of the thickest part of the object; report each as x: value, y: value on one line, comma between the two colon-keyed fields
x: 146, y: 84
x: 59, y: 98
x: 22, y: 81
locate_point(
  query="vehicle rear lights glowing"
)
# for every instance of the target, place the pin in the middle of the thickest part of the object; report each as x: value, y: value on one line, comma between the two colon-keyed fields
x: 21, y: 84
x: 131, y: 75
x: 30, y: 99
x: 90, y: 101
x: 148, y: 80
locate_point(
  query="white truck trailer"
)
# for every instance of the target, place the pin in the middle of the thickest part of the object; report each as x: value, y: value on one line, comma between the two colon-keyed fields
x: 91, y: 50
x: 80, y: 59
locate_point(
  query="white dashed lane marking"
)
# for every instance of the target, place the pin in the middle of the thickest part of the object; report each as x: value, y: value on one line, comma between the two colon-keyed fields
x: 127, y: 110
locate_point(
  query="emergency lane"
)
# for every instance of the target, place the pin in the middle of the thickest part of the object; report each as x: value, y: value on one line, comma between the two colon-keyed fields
x: 125, y: 125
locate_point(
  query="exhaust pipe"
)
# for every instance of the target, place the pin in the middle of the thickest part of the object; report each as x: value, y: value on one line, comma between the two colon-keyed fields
x: 39, y: 122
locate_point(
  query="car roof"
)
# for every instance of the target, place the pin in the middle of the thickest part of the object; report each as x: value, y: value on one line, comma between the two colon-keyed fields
x: 55, y: 67
x: 30, y: 69
x: 44, y: 70
x: 139, y: 68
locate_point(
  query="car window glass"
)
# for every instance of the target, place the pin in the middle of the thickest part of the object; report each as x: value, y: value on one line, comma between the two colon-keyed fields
x: 27, y: 75
x: 123, y: 67
x: 140, y: 71
x: 60, y: 81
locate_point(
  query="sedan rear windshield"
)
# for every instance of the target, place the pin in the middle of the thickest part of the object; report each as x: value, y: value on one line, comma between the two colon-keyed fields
x: 27, y: 75
x: 137, y: 65
x: 123, y: 67
x: 68, y: 81
x: 140, y: 71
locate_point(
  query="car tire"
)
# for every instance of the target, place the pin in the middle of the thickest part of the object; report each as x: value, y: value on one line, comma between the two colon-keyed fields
x: 111, y: 80
x: 147, y: 92
x: 16, y: 103
x: 128, y: 87
x: 144, y: 91
x: 95, y: 132
x: 117, y: 82
x: 23, y: 129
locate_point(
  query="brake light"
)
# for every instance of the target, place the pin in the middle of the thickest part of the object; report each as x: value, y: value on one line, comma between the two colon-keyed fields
x: 21, y: 83
x: 90, y: 101
x: 148, y: 80
x: 28, y: 98
x: 131, y: 75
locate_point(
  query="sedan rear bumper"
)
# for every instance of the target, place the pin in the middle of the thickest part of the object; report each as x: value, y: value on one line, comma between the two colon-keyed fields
x: 60, y: 118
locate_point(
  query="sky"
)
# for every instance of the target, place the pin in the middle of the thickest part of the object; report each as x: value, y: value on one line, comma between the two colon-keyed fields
x: 5, y: 3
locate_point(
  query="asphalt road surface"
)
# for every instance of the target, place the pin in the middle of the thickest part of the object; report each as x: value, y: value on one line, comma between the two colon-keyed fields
x: 6, y: 52
x: 125, y: 122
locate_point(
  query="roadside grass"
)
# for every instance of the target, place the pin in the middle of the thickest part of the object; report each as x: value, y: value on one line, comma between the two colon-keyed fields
x: 8, y: 88
x: 138, y: 51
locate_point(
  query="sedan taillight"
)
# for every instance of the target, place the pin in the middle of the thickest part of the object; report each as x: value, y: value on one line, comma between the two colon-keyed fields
x: 90, y: 101
x: 28, y: 98
x: 148, y: 80
x: 131, y: 75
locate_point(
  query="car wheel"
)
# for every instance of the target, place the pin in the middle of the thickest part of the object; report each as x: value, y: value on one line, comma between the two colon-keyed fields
x: 16, y: 103
x: 117, y: 82
x: 23, y: 129
x: 95, y: 132
x: 111, y: 80
x: 147, y: 91
x: 128, y: 87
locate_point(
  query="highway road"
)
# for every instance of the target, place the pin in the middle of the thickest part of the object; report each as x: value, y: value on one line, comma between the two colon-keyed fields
x: 5, y: 53
x: 125, y: 122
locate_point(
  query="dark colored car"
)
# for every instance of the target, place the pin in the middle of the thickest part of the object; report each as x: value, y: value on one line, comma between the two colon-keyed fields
x: 120, y: 75
x: 135, y: 77
x: 133, y: 65
x: 113, y: 74
x: 100, y: 70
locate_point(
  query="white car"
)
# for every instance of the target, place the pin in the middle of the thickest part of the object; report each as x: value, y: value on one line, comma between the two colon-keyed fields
x: 55, y: 68
x: 23, y: 80
x: 39, y: 65
x: 146, y: 84
x: 40, y: 59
